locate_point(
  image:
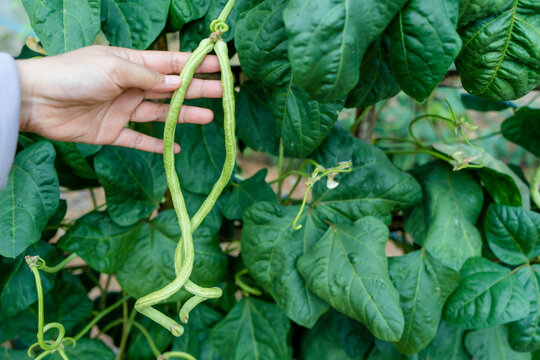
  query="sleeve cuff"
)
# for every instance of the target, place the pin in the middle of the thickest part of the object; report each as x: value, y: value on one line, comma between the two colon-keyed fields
x: 10, y: 102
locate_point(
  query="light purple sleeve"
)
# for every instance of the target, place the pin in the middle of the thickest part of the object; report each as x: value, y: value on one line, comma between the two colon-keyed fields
x: 10, y: 102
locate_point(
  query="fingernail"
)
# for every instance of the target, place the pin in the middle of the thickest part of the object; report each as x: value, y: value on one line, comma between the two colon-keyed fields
x: 172, y: 80
x: 176, y: 148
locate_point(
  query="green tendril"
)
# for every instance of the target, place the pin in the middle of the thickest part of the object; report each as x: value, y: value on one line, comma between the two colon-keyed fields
x: 246, y: 289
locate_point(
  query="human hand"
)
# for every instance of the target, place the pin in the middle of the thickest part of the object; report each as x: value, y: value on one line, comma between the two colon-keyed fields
x: 90, y: 94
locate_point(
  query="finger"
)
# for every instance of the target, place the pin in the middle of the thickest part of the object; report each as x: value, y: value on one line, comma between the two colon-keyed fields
x: 127, y: 75
x: 197, y: 89
x: 149, y: 111
x: 136, y: 140
x: 166, y: 62
x: 204, y: 89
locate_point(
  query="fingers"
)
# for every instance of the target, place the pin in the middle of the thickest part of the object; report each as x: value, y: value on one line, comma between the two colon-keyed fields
x: 197, y: 89
x: 127, y: 75
x: 136, y: 140
x: 149, y: 111
x: 166, y: 62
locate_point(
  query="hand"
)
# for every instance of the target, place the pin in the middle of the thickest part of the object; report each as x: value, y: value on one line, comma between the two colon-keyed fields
x: 90, y: 94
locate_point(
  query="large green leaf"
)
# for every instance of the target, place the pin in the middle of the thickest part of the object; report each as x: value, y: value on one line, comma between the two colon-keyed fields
x: 328, y: 39
x: 348, y: 269
x: 492, y: 344
x: 64, y: 25
x: 183, y: 11
x: 500, y: 59
x: 423, y: 45
x: 488, y: 295
x: 150, y: 264
x: 373, y: 187
x: 337, y: 337
x: 271, y: 249
x: 255, y: 122
x: 503, y: 184
x: 253, y: 329
x: 262, y: 44
x: 376, y: 82
x: 86, y: 349
x: 134, y: 182
x: 452, y: 203
x: 512, y: 233
x: 301, y: 122
x: 447, y: 344
x: 17, y: 284
x: 122, y: 21
x: 525, y: 333
x: 524, y: 129
x: 473, y: 102
x: 470, y: 10
x: 31, y: 197
x: 100, y: 242
x: 423, y: 284
x: 248, y: 192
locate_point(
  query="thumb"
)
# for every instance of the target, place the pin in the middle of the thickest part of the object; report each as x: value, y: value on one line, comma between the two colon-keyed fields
x: 131, y: 75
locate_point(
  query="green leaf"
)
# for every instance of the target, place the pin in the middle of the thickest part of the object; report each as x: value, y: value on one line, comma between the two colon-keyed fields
x: 9, y: 354
x: 200, y: 162
x: 488, y: 295
x: 262, y: 44
x: 253, y: 329
x: 471, y: 10
x: 149, y: 266
x: 348, y: 269
x: 472, y: 102
x: 452, y: 203
x: 376, y: 82
x: 337, y: 337
x: 512, y: 233
x: 447, y: 344
x: 31, y: 197
x: 423, y: 45
x: 71, y: 156
x: 183, y: 12
x: 524, y: 333
x: 384, y: 350
x: 500, y: 59
x: 270, y: 251
x: 134, y: 182
x: 135, y: 23
x: 255, y: 122
x: 17, y: 284
x: 373, y: 187
x: 327, y: 42
x: 64, y: 26
x: 524, y: 129
x: 423, y: 284
x: 503, y: 184
x: 492, y: 344
x: 100, y: 242
x: 86, y: 349
x: 248, y: 192
x: 302, y: 122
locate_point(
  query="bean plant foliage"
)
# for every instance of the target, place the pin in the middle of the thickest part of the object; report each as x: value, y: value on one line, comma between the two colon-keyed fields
x: 300, y: 276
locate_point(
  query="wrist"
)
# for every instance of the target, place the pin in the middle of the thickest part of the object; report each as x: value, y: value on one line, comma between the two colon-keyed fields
x: 24, y: 68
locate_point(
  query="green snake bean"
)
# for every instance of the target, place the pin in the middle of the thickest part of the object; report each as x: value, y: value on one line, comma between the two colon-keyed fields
x: 184, y: 253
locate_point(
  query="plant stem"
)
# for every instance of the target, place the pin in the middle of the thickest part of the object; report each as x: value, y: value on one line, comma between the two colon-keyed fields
x: 423, y: 151
x: 280, y: 169
x: 59, y: 266
x: 246, y: 289
x: 125, y: 334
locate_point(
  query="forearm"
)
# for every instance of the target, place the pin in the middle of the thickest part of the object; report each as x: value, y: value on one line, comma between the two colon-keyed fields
x: 10, y: 103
